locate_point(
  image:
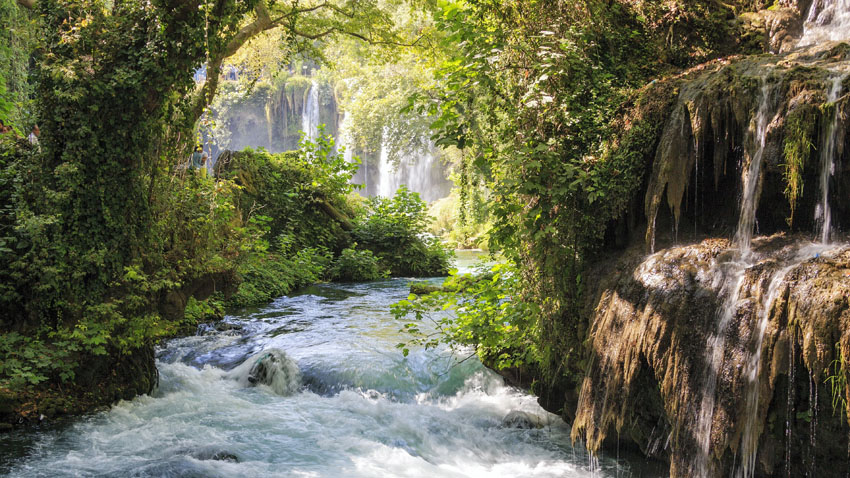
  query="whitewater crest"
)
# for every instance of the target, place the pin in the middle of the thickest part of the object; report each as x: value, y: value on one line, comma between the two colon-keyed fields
x: 271, y: 367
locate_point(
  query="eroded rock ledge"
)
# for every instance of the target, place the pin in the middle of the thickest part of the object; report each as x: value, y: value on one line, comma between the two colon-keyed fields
x: 651, y: 358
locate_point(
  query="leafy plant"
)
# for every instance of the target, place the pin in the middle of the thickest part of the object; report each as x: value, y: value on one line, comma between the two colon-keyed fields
x: 482, y: 311
x: 837, y: 381
x: 354, y: 265
x: 394, y: 230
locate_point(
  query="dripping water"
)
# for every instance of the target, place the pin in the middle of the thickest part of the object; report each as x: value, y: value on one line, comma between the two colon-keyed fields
x: 823, y: 214
x: 789, y: 407
x: 813, y: 421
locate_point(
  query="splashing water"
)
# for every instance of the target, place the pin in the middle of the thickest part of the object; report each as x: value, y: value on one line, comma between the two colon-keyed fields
x: 342, y: 401
x: 827, y: 20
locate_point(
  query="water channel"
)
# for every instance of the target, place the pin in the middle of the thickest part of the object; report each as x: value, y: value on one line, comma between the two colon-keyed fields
x: 344, y: 403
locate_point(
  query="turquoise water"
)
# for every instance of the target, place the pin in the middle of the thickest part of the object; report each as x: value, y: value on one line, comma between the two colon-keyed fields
x: 344, y: 403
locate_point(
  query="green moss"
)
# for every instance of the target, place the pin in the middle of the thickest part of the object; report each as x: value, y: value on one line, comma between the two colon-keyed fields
x: 797, y: 149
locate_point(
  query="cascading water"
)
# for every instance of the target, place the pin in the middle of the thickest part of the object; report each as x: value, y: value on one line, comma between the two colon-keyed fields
x: 731, y: 275
x: 750, y: 193
x: 751, y: 432
x: 823, y: 213
x: 387, y: 178
x: 732, y: 280
x: 345, y: 142
x: 310, y: 113
x: 827, y: 20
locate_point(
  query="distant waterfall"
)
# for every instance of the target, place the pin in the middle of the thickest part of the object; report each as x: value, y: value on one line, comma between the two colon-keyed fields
x: 828, y: 20
x: 310, y: 113
x: 344, y: 141
x: 387, y: 174
x: 421, y: 171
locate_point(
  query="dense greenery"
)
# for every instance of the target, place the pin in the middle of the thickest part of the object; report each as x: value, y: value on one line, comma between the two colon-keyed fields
x: 105, y: 234
x: 535, y: 94
x: 394, y: 229
x: 477, y: 310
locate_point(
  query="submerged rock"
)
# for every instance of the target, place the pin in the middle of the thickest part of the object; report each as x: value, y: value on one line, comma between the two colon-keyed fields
x: 270, y: 367
x: 523, y: 420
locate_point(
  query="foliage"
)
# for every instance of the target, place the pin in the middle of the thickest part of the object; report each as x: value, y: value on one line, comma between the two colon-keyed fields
x: 355, y: 265
x: 266, y: 277
x: 295, y: 190
x: 198, y: 311
x: 530, y: 92
x: 394, y: 230
x: 484, y: 312
x: 30, y: 360
x: 465, y: 226
x: 16, y: 45
x: 798, y: 145
x: 837, y: 381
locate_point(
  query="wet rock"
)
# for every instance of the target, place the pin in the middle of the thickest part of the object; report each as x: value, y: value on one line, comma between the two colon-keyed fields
x: 419, y: 288
x: 218, y: 456
x: 271, y: 367
x: 227, y: 326
x: 263, y: 369
x: 214, y: 454
x: 651, y: 342
x: 522, y: 420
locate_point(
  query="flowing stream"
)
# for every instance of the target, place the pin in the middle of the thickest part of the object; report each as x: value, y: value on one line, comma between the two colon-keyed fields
x: 340, y: 401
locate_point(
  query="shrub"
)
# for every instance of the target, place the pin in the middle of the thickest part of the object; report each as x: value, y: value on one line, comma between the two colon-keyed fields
x: 394, y: 230
x: 265, y: 277
x: 356, y: 265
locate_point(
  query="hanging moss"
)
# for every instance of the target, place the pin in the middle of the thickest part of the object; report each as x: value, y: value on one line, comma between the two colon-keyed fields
x: 797, y: 148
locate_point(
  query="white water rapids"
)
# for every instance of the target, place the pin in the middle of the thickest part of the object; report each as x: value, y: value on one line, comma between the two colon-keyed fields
x: 343, y: 402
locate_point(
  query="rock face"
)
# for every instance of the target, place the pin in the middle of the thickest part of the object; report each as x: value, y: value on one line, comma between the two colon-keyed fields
x: 723, y: 354
x: 730, y: 112
x: 715, y: 399
x: 522, y: 420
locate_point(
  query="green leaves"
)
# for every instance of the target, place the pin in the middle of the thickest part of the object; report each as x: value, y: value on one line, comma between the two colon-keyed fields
x: 394, y: 229
x: 483, y: 311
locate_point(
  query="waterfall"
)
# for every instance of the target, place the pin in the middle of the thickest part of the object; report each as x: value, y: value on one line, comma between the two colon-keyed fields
x: 310, y: 113
x: 421, y: 171
x: 732, y: 281
x: 344, y: 141
x: 750, y: 194
x: 387, y: 178
x: 750, y: 434
x: 732, y: 275
x: 823, y: 215
x: 828, y: 20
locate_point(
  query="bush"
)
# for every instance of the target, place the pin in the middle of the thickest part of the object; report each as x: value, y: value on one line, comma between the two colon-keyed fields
x: 265, y: 277
x: 298, y: 191
x: 355, y: 265
x: 394, y: 230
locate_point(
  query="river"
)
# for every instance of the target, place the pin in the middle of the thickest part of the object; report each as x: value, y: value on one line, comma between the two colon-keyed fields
x: 344, y: 403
